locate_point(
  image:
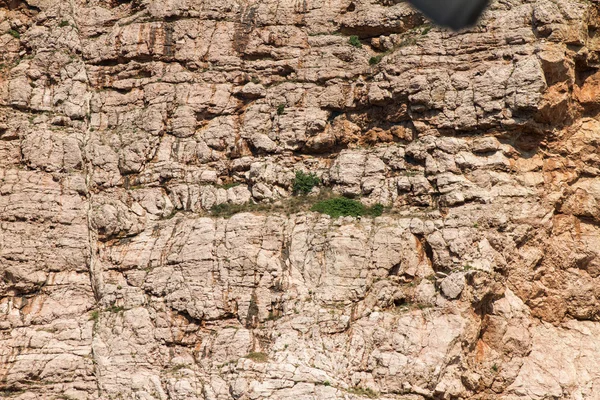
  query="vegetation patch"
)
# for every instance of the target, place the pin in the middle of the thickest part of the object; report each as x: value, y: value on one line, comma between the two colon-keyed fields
x: 376, y: 60
x: 287, y: 206
x: 14, y: 33
x: 304, y: 183
x: 95, y: 315
x: 324, y: 203
x: 364, y: 392
x: 280, y: 109
x: 355, y: 41
x: 257, y: 357
x: 63, y: 23
x: 229, y: 185
x: 115, y: 309
x: 344, y: 207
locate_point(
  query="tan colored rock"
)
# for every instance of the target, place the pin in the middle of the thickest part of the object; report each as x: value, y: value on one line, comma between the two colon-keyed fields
x: 123, y: 124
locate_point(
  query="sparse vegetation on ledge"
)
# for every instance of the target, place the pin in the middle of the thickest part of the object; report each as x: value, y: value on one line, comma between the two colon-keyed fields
x: 364, y: 392
x: 257, y: 357
x: 325, y: 202
x: 343, y: 207
x: 304, y: 183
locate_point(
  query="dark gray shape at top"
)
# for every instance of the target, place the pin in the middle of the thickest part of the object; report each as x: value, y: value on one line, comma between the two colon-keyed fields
x: 456, y: 14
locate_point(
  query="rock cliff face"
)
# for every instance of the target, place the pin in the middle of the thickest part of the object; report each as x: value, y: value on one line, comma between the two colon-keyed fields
x: 123, y: 123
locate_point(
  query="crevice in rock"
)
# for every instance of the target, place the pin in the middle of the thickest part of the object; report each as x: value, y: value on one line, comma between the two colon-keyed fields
x: 21, y: 5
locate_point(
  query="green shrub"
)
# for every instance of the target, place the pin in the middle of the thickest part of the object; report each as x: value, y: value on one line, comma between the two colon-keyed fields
x: 343, y: 207
x: 280, y: 109
x: 375, y: 60
x: 304, y: 183
x: 14, y: 33
x: 376, y: 210
x: 340, y: 207
x: 354, y: 41
x: 63, y: 23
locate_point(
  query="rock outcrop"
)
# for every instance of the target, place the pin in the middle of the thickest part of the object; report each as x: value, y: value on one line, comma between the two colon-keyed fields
x: 125, y: 123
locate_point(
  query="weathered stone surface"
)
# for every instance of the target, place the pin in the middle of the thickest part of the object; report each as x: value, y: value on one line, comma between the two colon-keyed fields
x: 125, y: 126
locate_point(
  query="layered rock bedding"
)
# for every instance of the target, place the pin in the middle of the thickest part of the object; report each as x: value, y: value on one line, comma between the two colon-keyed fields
x: 152, y: 245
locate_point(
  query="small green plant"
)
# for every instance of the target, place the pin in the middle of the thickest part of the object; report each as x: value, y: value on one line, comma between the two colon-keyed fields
x: 495, y: 368
x: 343, y: 207
x: 257, y: 357
x: 355, y: 41
x: 115, y: 309
x: 280, y: 109
x: 14, y: 33
x: 375, y: 60
x: 364, y: 392
x: 326, y: 383
x: 376, y: 210
x: 304, y: 183
x: 475, y: 225
x: 426, y: 30
x: 95, y: 315
x: 63, y: 23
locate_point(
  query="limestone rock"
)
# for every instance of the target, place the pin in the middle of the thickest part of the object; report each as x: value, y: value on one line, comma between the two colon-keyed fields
x: 127, y: 127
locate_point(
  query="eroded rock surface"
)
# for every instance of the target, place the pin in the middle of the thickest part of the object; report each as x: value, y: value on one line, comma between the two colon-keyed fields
x: 124, y: 123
